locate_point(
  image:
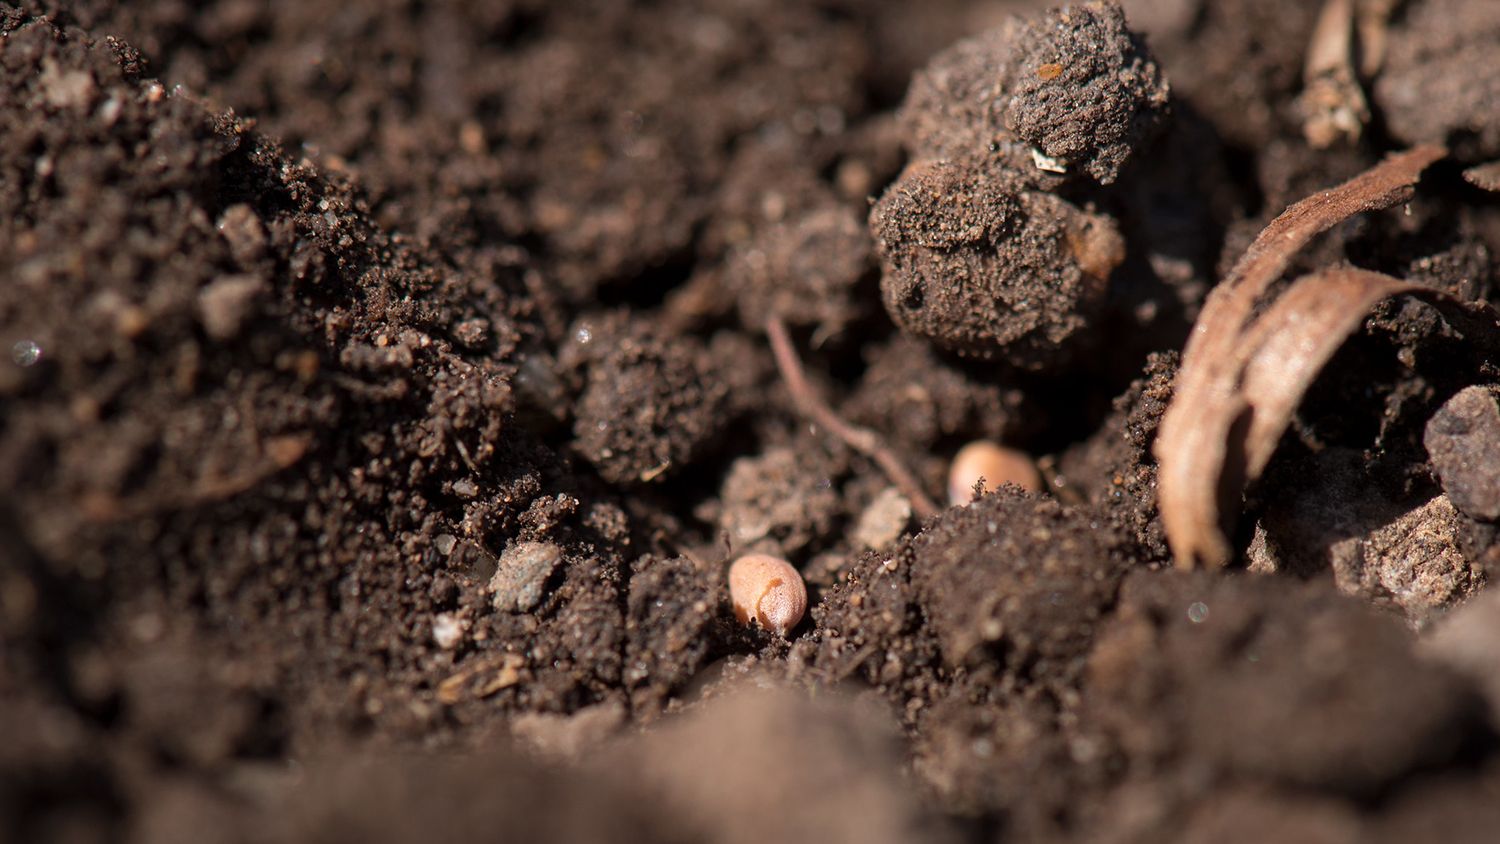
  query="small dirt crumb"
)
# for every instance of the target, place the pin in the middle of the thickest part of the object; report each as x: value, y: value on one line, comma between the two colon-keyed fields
x: 66, y: 89
x: 1016, y: 580
x: 1115, y: 467
x: 785, y: 494
x: 670, y: 617
x: 521, y: 576
x: 1418, y: 560
x: 883, y: 521
x: 650, y: 404
x: 1071, y: 90
x: 918, y: 398
x: 806, y: 269
x: 1394, y: 553
x: 240, y: 226
x: 1093, y: 92
x: 226, y: 302
x: 1463, y: 440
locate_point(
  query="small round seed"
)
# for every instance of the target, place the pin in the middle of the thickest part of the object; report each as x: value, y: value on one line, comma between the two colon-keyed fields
x: 766, y: 590
x: 992, y: 463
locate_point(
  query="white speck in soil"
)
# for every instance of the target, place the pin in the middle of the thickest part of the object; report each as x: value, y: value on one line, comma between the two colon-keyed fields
x: 447, y: 631
x: 1197, y: 612
x: 25, y: 352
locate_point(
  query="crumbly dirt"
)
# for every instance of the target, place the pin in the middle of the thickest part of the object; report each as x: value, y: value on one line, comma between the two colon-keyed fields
x: 983, y: 267
x: 1069, y: 92
x: 384, y: 392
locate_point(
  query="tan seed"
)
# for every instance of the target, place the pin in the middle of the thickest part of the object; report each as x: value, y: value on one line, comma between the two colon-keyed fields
x: 995, y: 465
x: 768, y: 591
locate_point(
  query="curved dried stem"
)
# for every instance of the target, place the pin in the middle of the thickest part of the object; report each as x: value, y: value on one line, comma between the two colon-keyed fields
x: 862, y: 440
x: 1200, y: 448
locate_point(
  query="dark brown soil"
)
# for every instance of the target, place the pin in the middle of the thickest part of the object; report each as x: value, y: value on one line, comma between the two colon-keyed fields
x: 385, y: 391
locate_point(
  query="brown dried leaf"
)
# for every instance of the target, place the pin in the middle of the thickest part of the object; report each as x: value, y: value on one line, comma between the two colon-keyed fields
x: 1196, y: 435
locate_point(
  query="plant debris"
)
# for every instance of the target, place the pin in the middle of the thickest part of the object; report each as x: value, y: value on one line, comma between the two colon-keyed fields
x: 864, y: 441
x: 1332, y: 99
x: 1242, y: 376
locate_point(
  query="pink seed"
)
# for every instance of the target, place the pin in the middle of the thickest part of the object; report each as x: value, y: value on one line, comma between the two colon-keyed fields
x: 768, y: 591
x: 995, y: 465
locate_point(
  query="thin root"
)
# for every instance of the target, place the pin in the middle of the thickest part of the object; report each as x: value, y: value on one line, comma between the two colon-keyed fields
x: 862, y: 440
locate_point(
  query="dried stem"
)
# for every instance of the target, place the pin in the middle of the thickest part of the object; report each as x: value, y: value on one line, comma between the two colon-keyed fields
x: 862, y: 440
x: 1200, y: 469
x: 1332, y: 101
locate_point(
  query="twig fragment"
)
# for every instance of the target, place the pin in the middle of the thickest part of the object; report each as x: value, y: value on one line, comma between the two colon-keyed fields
x: 862, y: 440
x: 1345, y: 52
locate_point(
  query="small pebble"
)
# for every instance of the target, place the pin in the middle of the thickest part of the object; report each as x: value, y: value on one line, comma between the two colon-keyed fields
x: 1463, y: 442
x: 992, y: 463
x: 520, y: 578
x: 767, y: 591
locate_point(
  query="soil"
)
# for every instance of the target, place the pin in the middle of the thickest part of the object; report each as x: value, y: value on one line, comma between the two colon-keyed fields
x: 387, y: 390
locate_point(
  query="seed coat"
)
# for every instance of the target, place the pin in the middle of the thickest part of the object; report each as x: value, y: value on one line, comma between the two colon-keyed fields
x: 768, y: 591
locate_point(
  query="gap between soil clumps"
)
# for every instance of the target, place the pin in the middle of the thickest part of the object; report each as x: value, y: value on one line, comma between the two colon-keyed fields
x: 381, y: 480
